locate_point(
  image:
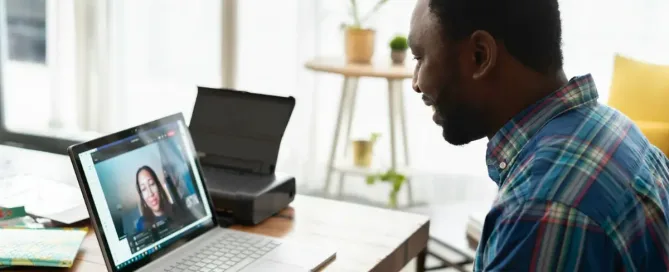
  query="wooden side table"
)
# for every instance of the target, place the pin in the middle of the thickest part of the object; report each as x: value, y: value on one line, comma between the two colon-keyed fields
x: 395, y: 75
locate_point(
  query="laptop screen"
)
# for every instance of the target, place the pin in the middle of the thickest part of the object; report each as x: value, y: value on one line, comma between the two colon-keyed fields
x: 147, y: 191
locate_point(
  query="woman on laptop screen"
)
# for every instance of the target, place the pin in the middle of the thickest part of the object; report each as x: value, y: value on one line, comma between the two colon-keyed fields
x: 156, y: 210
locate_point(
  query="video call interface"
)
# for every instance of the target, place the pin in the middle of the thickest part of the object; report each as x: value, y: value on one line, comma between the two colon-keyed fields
x: 149, y: 186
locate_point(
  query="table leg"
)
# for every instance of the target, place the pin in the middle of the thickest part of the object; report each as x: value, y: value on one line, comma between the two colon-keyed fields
x: 403, y: 122
x: 405, y: 138
x: 352, y: 92
x: 391, y: 116
x: 420, y: 260
x: 335, y: 141
x: 396, y: 99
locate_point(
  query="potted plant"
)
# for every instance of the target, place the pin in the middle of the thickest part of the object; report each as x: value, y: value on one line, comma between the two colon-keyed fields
x: 358, y: 38
x: 395, y: 179
x: 363, y: 150
x: 398, y: 47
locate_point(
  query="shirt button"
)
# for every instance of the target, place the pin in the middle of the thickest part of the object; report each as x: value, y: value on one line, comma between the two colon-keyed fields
x: 502, y: 165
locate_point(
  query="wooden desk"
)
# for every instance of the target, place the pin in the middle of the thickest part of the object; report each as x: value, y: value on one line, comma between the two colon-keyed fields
x: 365, y: 238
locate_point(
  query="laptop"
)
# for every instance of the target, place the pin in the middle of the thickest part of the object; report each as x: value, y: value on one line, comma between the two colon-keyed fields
x: 149, y: 204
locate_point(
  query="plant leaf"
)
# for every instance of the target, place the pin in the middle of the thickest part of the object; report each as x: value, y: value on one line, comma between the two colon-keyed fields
x: 393, y: 200
x: 397, y: 184
x: 374, y: 137
x: 355, y: 14
x: 374, y: 10
x: 371, y: 179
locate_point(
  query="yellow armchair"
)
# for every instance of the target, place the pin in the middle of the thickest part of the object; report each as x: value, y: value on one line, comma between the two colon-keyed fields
x: 641, y: 91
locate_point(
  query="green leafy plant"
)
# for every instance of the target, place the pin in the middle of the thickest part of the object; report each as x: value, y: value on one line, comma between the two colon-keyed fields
x: 358, y: 20
x: 399, y: 43
x: 374, y: 137
x: 394, y: 178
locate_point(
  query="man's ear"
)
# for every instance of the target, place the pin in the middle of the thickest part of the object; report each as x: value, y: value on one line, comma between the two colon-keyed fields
x: 485, y: 53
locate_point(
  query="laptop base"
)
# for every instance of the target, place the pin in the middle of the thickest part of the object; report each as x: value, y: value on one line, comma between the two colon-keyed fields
x: 278, y: 254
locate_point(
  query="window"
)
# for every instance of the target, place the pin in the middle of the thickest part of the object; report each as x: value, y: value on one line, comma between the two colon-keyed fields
x: 73, y: 70
x: 27, y: 71
x: 26, y: 30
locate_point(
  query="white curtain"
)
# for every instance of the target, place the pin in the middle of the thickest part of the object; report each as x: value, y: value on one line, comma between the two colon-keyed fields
x: 141, y: 60
x: 277, y: 37
x: 162, y: 50
x: 114, y: 64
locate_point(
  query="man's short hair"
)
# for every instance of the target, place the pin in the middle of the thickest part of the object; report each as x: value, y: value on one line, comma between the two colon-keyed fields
x: 530, y: 29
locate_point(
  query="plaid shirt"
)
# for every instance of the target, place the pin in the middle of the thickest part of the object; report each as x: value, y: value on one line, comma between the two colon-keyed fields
x: 581, y: 189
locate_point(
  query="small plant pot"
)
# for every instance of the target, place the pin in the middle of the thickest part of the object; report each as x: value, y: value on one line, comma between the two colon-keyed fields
x: 359, y: 45
x: 398, y: 56
x: 362, y: 153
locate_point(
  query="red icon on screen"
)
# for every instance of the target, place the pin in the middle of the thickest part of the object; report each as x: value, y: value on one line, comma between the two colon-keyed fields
x: 170, y: 133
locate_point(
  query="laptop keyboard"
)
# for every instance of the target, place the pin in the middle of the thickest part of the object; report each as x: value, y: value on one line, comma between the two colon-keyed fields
x: 230, y: 252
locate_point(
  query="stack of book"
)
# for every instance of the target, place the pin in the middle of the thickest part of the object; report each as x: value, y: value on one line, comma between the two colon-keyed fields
x: 26, y: 242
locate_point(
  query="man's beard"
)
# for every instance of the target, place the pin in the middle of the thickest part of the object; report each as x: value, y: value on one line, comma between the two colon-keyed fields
x: 461, y: 123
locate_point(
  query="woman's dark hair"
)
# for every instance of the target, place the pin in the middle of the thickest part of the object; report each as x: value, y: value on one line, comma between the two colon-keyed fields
x: 147, y: 213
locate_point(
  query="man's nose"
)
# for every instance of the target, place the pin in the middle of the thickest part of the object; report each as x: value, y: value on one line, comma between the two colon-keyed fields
x: 414, y: 85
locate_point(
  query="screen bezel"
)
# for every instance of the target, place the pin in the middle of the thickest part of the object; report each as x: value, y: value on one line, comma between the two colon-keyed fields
x: 77, y: 149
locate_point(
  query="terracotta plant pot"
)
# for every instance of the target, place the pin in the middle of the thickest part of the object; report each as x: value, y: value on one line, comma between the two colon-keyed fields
x: 398, y: 56
x: 359, y: 45
x: 362, y: 153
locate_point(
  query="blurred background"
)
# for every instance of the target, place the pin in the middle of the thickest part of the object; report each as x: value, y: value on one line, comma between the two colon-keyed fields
x: 84, y: 67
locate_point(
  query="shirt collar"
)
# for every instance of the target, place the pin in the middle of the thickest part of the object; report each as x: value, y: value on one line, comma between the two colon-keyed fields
x: 505, y: 145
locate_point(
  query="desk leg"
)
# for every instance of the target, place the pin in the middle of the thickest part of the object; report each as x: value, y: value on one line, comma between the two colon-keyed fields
x: 420, y: 260
x: 350, y: 111
x: 333, y: 150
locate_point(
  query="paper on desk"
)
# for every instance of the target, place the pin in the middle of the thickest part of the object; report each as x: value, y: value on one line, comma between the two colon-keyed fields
x: 39, y: 196
x: 40, y: 247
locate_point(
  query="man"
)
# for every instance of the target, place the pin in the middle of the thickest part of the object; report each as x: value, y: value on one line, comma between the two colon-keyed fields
x: 580, y: 187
